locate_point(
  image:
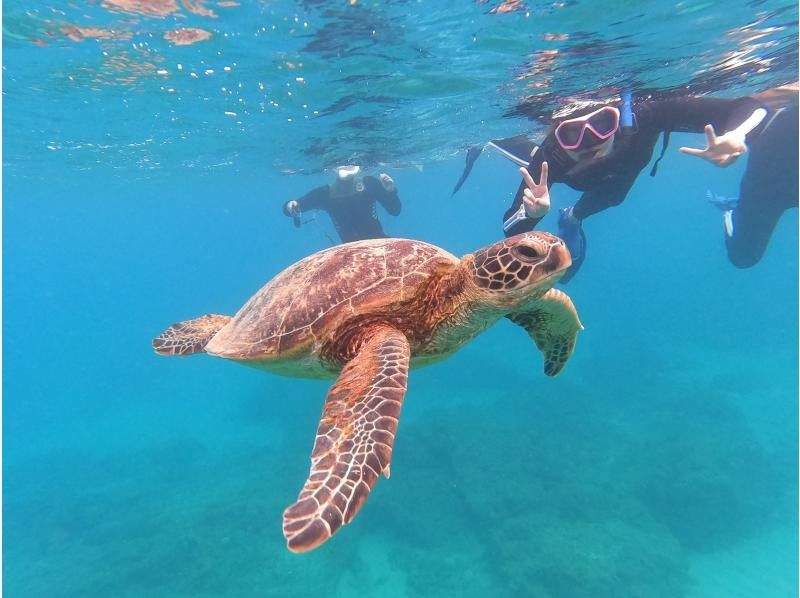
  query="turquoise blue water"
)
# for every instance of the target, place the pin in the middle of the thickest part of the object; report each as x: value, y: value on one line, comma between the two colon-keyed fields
x: 661, y: 462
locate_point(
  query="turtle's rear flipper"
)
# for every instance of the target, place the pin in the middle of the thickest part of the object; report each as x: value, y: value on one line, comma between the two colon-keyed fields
x: 354, y: 439
x: 189, y: 337
x: 553, y: 324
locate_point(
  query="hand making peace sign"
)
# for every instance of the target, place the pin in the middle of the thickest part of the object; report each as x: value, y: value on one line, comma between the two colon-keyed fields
x: 536, y: 197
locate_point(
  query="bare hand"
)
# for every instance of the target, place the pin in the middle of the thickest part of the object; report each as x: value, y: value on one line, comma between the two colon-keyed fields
x: 722, y: 150
x: 386, y: 181
x: 536, y: 197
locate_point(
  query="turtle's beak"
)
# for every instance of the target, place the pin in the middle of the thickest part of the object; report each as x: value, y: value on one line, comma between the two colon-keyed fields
x: 559, y: 258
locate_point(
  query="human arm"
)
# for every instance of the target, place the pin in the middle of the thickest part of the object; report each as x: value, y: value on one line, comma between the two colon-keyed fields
x: 313, y: 200
x: 386, y: 194
x: 734, y: 117
x: 691, y: 114
x: 605, y: 195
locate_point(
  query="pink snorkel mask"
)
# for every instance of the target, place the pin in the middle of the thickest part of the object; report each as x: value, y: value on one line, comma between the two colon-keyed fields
x: 602, y: 123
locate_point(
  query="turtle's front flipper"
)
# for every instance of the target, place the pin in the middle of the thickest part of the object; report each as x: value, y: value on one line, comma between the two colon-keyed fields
x: 189, y: 337
x: 553, y: 324
x: 354, y: 440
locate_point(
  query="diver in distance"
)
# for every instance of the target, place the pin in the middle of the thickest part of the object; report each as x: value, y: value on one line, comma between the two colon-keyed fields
x: 350, y: 202
x: 769, y: 185
x: 602, y: 148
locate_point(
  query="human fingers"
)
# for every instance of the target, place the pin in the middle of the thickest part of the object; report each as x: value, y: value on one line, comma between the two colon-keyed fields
x: 533, y: 202
x: 543, y: 175
x: 526, y: 176
x: 692, y: 151
x: 711, y: 137
x: 532, y: 207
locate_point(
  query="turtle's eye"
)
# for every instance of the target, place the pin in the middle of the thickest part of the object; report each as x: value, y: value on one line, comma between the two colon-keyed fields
x: 526, y: 253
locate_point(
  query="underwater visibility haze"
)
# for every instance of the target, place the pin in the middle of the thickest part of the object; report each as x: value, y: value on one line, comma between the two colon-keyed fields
x: 148, y: 149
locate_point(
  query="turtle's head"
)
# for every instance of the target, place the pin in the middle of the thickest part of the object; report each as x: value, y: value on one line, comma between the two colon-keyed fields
x: 518, y: 270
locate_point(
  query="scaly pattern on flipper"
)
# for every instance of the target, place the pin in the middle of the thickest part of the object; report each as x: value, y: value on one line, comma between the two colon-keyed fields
x: 553, y: 324
x: 354, y: 439
x: 189, y: 337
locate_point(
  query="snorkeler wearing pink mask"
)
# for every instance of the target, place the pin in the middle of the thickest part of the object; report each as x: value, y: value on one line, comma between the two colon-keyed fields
x: 602, y: 148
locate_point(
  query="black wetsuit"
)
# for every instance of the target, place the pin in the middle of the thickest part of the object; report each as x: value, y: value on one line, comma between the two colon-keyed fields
x: 353, y: 215
x: 606, y: 181
x: 768, y: 188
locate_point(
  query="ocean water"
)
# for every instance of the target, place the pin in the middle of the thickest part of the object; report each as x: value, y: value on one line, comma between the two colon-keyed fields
x: 661, y: 462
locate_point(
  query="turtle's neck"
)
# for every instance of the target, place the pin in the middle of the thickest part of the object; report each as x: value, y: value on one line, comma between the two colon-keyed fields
x: 455, y: 311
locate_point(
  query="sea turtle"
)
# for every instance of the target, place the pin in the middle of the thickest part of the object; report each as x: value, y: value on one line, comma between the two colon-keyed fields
x: 365, y: 312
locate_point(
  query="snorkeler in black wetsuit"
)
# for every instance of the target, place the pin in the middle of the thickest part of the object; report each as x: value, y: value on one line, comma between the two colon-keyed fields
x: 592, y: 153
x: 769, y: 186
x: 350, y: 203
x: 601, y: 150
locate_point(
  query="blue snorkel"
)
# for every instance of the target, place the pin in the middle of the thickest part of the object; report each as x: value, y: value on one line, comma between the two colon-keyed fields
x: 626, y: 121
